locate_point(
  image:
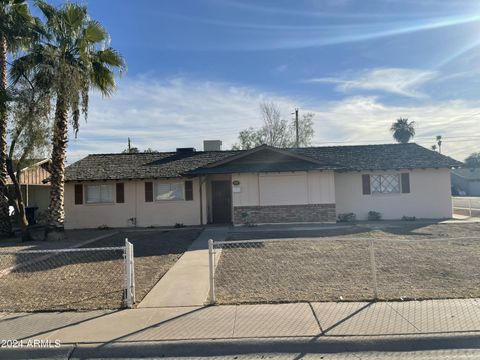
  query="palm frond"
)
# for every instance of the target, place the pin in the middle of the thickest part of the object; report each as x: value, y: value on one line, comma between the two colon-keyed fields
x: 112, y: 58
x: 94, y: 32
x: 102, y: 79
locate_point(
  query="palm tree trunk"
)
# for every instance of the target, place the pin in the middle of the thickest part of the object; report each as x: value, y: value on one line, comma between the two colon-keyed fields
x: 56, y: 213
x: 5, y: 224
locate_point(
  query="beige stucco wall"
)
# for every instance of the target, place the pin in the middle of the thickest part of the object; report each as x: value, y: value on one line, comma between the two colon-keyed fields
x: 429, y: 196
x: 157, y: 213
x: 295, y: 188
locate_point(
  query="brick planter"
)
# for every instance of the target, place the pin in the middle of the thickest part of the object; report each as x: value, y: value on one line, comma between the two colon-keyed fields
x: 284, y: 213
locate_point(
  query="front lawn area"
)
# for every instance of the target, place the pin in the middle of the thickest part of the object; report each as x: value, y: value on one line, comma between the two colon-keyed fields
x: 413, y: 261
x: 86, y: 279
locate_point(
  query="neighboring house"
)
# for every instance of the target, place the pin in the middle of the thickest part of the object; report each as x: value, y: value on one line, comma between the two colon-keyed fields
x: 261, y: 185
x: 34, y: 184
x: 466, y: 181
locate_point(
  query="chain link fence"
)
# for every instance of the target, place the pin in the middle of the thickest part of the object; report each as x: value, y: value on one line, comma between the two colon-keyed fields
x: 362, y: 269
x: 67, y: 279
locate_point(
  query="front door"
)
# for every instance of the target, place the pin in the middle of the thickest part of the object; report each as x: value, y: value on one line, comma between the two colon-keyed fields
x: 221, y: 202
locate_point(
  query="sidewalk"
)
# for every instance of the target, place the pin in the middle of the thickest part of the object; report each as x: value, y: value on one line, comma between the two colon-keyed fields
x: 434, y: 329
x: 187, y: 282
x: 248, y: 321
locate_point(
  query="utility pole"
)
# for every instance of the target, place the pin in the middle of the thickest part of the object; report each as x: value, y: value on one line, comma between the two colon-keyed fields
x: 297, y: 141
x: 129, y: 147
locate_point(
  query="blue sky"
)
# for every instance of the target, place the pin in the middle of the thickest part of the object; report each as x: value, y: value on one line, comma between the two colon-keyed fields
x: 198, y: 70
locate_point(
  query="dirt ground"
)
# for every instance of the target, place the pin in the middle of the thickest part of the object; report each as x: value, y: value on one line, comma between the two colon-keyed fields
x: 412, y: 261
x: 87, y: 280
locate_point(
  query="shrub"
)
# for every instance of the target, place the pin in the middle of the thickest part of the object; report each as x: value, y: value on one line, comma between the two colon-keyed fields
x: 179, y: 225
x: 41, y: 217
x: 348, y: 217
x: 374, y: 216
x: 408, y: 218
x: 103, y: 227
x: 246, y: 219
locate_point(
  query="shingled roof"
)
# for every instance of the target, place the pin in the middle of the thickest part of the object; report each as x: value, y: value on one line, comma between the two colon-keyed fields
x: 380, y: 157
x: 141, y: 165
x: 172, y: 164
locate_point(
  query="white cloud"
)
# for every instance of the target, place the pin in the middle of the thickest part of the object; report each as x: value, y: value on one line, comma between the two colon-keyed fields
x: 363, y: 120
x: 405, y: 82
x: 169, y: 114
x: 182, y: 112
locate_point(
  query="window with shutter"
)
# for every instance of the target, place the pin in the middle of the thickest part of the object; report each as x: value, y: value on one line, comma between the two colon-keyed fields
x: 405, y: 183
x: 188, y: 190
x: 366, y: 184
x: 98, y: 194
x: 120, y: 190
x: 78, y: 194
x: 169, y: 191
x: 148, y: 192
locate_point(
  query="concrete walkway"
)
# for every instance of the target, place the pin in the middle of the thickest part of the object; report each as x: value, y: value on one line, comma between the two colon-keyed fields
x: 187, y: 282
x: 248, y: 321
x: 251, y: 329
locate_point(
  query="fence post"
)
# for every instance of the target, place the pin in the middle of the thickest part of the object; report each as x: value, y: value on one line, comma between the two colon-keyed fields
x: 374, y: 269
x: 132, y: 272
x: 211, y: 266
x: 130, y: 290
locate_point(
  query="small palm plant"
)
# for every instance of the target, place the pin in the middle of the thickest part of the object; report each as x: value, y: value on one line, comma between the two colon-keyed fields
x: 72, y: 57
x: 403, y: 130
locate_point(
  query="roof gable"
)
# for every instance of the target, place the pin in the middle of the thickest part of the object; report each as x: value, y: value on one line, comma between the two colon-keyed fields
x: 265, y: 153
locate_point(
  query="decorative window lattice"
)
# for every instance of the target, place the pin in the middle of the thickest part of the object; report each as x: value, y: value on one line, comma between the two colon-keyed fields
x: 385, y: 184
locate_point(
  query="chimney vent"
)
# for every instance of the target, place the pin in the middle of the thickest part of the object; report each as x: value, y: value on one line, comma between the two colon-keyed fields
x: 185, y: 150
x: 212, y: 145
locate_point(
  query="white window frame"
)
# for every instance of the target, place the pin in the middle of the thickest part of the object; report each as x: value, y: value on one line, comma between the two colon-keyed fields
x: 156, y: 192
x: 100, y: 200
x: 382, y: 190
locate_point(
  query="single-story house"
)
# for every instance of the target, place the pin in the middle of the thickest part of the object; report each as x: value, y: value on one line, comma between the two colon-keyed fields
x: 466, y: 181
x: 261, y: 185
x: 34, y: 183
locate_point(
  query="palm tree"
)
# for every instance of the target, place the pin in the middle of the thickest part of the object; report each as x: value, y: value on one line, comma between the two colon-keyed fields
x: 15, y: 33
x: 71, y: 58
x: 439, y: 143
x: 403, y: 130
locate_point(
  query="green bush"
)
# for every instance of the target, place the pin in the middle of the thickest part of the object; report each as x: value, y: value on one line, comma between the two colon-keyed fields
x: 408, y: 218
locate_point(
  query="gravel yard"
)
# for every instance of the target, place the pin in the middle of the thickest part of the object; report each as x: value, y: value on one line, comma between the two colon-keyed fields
x: 86, y: 280
x: 413, y: 261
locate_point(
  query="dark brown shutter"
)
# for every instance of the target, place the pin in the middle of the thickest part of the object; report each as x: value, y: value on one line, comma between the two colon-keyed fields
x: 366, y: 184
x: 405, y: 183
x: 120, y: 193
x: 148, y: 192
x: 78, y: 194
x: 188, y: 190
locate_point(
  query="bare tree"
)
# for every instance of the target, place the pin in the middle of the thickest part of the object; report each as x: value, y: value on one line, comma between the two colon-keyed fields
x: 276, y: 131
x: 29, y: 136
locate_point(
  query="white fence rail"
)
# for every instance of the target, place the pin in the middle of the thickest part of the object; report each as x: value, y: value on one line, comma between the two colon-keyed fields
x: 466, y: 205
x: 67, y: 279
x: 337, y: 269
